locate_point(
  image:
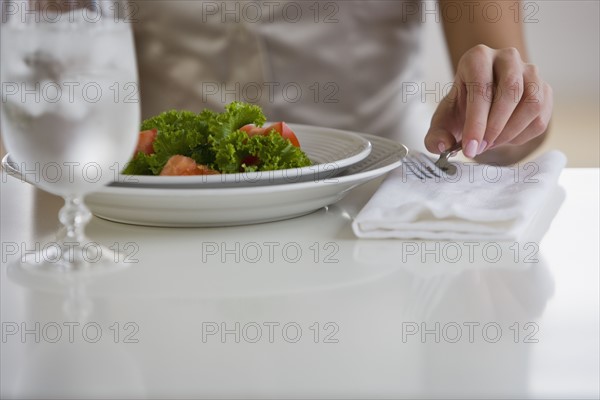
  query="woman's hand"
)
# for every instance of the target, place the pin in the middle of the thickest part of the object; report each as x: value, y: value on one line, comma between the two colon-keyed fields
x: 497, y: 100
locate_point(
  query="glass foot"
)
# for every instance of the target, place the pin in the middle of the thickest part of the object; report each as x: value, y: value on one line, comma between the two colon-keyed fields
x: 82, y: 257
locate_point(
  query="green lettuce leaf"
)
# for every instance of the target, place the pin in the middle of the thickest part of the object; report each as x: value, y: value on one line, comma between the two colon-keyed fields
x: 179, y: 132
x: 236, y: 115
x: 272, y: 151
x: 138, y: 165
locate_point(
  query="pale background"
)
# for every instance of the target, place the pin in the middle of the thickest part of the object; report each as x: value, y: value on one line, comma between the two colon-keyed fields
x: 564, y: 43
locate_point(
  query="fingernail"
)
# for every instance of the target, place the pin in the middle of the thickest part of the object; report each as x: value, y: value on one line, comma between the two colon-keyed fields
x: 441, y: 147
x: 482, y: 146
x: 471, y: 149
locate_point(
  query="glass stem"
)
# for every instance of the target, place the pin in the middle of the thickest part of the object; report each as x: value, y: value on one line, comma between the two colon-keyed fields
x: 74, y: 216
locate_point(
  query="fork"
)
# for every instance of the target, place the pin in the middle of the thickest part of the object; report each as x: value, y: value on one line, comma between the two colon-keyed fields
x: 424, y: 168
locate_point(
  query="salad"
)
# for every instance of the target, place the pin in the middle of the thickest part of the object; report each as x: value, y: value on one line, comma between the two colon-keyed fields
x: 178, y: 143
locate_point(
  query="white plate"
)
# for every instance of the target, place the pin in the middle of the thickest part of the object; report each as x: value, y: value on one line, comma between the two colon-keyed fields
x: 236, y: 206
x: 330, y: 150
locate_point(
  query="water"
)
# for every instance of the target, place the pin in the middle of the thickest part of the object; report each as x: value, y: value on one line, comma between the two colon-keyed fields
x: 70, y: 108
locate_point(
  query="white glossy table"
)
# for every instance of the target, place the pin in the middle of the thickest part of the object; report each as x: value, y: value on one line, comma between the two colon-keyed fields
x: 301, y: 308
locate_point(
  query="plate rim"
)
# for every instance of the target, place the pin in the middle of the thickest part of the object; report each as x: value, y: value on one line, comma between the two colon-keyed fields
x: 212, y: 191
x: 337, y: 180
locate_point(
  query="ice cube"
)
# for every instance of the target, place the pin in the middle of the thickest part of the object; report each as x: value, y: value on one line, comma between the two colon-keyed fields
x: 44, y: 66
x: 76, y: 110
x: 30, y: 106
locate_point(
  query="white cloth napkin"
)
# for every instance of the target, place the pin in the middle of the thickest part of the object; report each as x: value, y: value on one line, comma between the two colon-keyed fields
x: 479, y: 202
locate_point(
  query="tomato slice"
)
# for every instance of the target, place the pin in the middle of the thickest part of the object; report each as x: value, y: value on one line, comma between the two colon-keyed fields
x: 181, y: 166
x: 146, y: 141
x: 284, y: 130
x: 252, y: 130
x: 280, y: 127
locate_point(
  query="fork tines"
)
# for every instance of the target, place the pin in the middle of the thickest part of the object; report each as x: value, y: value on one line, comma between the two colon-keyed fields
x: 422, y: 166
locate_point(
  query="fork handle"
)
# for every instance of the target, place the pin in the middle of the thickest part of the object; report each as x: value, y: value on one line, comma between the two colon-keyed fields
x: 452, y: 150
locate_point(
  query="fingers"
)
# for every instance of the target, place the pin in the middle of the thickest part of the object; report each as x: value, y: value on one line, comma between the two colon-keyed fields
x: 540, y: 123
x: 508, y: 92
x: 533, y: 112
x: 475, y: 71
x: 498, y: 100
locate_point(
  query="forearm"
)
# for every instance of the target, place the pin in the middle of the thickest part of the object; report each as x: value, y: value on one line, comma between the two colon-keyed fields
x: 476, y: 26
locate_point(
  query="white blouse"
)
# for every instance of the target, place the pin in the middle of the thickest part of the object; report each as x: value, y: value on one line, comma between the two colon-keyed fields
x: 343, y: 64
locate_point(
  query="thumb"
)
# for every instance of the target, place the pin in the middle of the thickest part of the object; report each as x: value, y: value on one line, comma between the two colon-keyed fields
x: 439, y: 140
x: 440, y: 136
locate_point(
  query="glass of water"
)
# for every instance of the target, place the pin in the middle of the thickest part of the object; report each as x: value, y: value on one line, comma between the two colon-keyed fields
x: 70, y: 109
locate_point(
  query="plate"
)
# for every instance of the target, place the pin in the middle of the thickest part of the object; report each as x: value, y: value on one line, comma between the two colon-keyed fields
x: 330, y: 150
x: 206, y: 207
